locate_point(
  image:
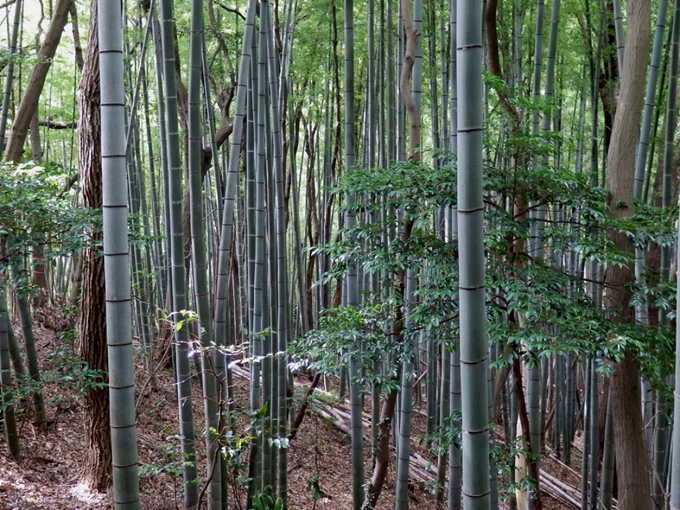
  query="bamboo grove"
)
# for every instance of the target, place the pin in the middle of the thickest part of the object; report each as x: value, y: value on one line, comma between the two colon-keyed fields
x: 454, y: 209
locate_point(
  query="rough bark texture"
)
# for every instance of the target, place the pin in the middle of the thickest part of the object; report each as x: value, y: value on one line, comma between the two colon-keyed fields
x: 39, y: 280
x: 224, y: 129
x: 73, y: 11
x: 96, y: 470
x: 631, y: 457
x: 36, y: 145
x: 29, y: 102
x: 312, y: 225
x: 56, y: 124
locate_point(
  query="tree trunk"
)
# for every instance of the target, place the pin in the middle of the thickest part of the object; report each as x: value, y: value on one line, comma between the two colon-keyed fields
x: 39, y: 278
x: 36, y: 145
x: 29, y: 102
x: 96, y: 469
x: 117, y: 259
x: 471, y: 286
x: 631, y: 457
x: 77, y: 48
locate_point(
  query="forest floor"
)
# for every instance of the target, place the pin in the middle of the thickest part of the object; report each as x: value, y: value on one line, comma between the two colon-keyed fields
x: 47, y: 478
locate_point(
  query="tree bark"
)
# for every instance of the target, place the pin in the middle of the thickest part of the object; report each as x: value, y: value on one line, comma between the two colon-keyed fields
x: 78, y: 49
x: 36, y: 81
x: 36, y: 145
x: 96, y: 470
x: 39, y: 279
x: 631, y: 457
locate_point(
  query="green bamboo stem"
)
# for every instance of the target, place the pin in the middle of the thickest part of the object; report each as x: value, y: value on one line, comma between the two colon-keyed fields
x: 390, y: 85
x: 454, y: 497
x: 26, y: 320
x: 351, y: 280
x: 141, y: 265
x: 607, y: 476
x: 400, y: 135
x: 258, y: 246
x: 281, y: 255
x: 9, y: 75
x: 558, y: 428
x: 216, y: 165
x: 199, y: 260
x: 405, y: 411
x: 655, y: 123
x: 587, y: 430
x: 444, y: 413
x: 569, y: 409
x: 224, y: 335
x: 620, y: 36
x: 116, y: 259
x: 517, y: 44
x: 660, y: 422
x: 675, y: 462
x: 147, y: 299
x: 473, y: 342
x: 179, y: 297
x: 594, y: 432
x: 648, y: 110
x: 6, y: 385
x: 417, y: 78
x: 370, y: 148
x: 15, y: 352
x: 153, y: 194
x: 163, y: 152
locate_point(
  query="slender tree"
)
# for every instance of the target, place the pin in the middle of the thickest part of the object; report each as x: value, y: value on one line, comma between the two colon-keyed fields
x: 116, y: 258
x: 6, y: 386
x: 179, y: 296
x: 473, y: 342
x: 631, y: 457
x: 648, y: 110
x: 675, y: 466
x: 26, y: 318
x: 351, y: 280
x: 199, y: 260
x: 97, y: 465
x: 9, y: 75
x: 413, y: 111
x: 36, y: 81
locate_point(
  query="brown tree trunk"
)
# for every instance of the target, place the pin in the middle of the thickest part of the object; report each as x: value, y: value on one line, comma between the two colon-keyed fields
x: 36, y: 145
x: 96, y: 470
x: 631, y: 457
x: 76, y: 280
x: 78, y: 49
x: 382, y: 454
x: 39, y: 280
x: 312, y: 226
x: 29, y: 103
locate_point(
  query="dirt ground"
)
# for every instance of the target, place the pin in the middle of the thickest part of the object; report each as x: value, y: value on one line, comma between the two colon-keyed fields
x: 48, y: 477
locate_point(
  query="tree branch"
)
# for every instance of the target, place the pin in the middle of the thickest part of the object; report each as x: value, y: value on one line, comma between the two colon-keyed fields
x: 57, y: 124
